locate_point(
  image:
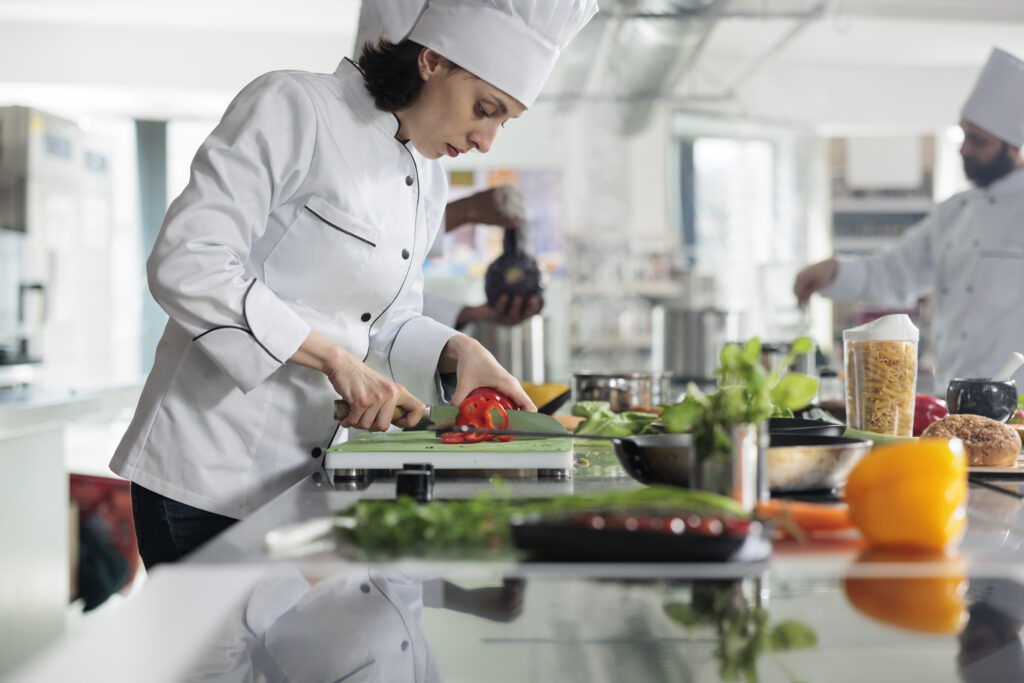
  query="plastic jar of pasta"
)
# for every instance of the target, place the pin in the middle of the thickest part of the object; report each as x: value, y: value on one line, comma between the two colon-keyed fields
x: 881, y: 375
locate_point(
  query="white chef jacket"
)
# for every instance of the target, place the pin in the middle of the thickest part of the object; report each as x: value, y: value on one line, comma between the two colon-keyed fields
x: 442, y: 309
x: 968, y: 252
x: 354, y: 626
x: 302, y: 212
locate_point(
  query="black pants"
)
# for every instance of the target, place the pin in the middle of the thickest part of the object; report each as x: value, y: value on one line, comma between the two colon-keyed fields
x: 168, y: 530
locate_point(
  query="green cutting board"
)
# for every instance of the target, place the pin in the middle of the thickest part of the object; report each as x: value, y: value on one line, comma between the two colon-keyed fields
x: 419, y: 442
x: 413, y: 441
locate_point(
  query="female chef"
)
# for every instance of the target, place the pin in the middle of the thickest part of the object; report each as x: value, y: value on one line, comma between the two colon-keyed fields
x: 291, y: 265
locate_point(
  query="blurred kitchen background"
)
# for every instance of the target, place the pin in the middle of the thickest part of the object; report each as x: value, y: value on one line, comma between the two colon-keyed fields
x: 686, y: 158
x: 687, y: 155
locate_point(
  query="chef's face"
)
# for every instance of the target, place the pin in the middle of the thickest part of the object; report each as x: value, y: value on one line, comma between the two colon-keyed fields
x: 455, y: 112
x: 986, y: 157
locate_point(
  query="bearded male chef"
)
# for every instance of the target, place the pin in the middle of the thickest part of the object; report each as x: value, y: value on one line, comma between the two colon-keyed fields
x: 291, y: 266
x: 968, y: 252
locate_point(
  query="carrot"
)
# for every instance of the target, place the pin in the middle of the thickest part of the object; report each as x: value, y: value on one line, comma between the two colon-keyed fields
x: 802, y: 520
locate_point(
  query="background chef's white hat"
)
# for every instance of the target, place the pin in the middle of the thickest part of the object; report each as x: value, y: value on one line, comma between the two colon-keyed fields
x: 996, y: 104
x: 511, y: 44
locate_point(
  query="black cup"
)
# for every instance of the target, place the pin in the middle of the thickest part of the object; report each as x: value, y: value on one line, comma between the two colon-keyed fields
x: 996, y: 400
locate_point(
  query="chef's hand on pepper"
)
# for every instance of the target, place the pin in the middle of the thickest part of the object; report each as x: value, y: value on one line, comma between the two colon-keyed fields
x: 506, y: 311
x: 372, y: 397
x: 476, y: 367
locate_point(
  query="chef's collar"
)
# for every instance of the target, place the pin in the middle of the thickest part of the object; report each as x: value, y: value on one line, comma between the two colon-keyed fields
x: 352, y: 79
x: 1012, y: 184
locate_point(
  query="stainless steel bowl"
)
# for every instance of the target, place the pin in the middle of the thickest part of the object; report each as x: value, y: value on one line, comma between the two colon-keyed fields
x: 624, y: 390
x: 805, y: 462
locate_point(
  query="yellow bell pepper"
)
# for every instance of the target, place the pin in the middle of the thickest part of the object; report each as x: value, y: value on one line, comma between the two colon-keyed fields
x: 542, y: 394
x: 931, y: 603
x: 910, y: 494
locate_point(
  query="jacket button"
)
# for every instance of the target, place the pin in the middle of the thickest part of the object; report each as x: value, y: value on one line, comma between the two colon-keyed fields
x: 405, y: 254
x: 365, y: 317
x: 316, y: 452
x: 405, y: 645
x: 365, y: 587
x: 408, y: 180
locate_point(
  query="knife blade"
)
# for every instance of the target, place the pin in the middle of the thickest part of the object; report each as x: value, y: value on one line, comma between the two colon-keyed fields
x: 441, y: 418
x: 465, y: 429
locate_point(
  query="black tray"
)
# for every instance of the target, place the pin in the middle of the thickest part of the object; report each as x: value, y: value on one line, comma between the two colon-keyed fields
x: 554, y: 404
x: 796, y: 425
x: 805, y: 439
x: 560, y: 542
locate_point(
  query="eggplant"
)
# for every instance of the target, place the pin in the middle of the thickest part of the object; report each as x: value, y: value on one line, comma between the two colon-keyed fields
x: 515, y: 272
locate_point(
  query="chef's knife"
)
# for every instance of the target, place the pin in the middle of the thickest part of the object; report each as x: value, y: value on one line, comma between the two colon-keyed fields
x: 465, y: 429
x: 439, y: 415
x: 441, y: 418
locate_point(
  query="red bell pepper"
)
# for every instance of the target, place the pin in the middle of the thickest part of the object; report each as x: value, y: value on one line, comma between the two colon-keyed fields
x: 927, y: 409
x: 478, y: 410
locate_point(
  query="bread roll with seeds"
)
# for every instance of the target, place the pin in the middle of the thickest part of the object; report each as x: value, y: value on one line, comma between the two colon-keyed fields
x: 988, y: 443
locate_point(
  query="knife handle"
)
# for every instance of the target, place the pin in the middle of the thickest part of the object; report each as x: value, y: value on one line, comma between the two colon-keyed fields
x: 342, y: 409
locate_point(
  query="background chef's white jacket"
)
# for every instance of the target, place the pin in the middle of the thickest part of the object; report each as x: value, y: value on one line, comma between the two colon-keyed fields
x: 969, y: 252
x: 302, y: 212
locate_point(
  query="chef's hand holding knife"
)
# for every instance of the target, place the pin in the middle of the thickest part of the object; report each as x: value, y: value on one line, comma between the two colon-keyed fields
x: 476, y: 367
x: 372, y: 397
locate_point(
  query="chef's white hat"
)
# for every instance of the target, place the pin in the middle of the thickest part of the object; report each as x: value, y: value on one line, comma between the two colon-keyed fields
x: 996, y: 104
x: 511, y: 44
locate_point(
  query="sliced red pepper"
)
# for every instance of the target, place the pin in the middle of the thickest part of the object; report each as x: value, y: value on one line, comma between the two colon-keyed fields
x: 452, y: 437
x: 478, y: 410
x: 494, y: 394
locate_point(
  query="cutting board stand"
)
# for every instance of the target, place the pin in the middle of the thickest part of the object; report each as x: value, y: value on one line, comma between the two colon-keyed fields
x: 356, y: 466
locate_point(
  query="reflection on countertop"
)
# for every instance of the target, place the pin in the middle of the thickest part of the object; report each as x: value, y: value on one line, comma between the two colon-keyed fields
x: 372, y: 624
x: 837, y: 613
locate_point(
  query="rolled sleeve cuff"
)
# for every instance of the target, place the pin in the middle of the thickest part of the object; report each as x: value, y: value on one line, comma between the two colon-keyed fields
x: 414, y: 355
x: 272, y: 335
x: 442, y: 309
x: 848, y: 282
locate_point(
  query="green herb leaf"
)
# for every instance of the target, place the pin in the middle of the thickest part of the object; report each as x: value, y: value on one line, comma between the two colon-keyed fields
x: 680, y: 417
x: 588, y: 409
x: 794, y: 390
x: 791, y: 635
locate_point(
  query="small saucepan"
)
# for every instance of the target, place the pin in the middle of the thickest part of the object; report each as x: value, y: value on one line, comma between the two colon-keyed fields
x: 656, y: 458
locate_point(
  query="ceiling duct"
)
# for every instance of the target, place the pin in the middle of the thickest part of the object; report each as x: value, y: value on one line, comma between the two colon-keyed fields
x: 654, y: 43
x: 636, y: 51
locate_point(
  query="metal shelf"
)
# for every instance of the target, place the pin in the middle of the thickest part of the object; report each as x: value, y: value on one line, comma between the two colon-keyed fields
x: 882, y: 205
x: 599, y: 343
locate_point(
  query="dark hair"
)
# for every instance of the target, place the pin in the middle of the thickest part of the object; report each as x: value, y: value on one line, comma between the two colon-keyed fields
x: 391, y: 73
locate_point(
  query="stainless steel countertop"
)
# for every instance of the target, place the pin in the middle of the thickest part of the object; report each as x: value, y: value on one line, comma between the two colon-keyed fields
x: 34, y: 408
x: 239, y: 611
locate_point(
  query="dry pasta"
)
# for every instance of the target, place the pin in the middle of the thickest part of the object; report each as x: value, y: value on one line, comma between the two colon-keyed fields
x: 880, y: 383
